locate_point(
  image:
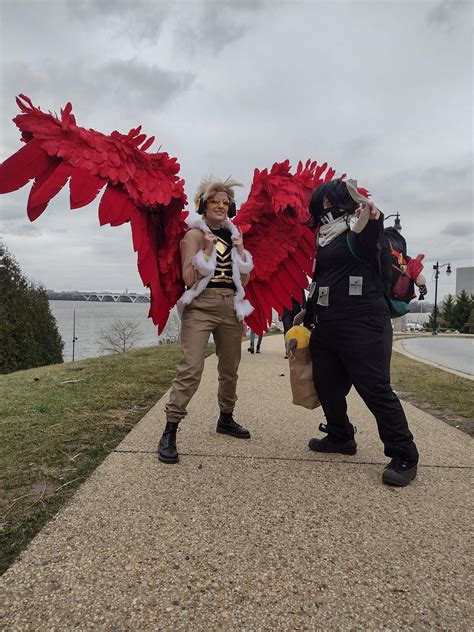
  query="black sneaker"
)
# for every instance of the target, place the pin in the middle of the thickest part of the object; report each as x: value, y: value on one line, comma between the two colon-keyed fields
x: 250, y: 350
x: 339, y: 447
x: 226, y: 424
x: 399, y: 472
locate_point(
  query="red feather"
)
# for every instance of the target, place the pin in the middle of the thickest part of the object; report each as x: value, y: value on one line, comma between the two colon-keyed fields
x: 27, y: 163
x: 303, y: 260
x: 286, y: 280
x: 146, y: 145
x: 49, y: 183
x: 46, y: 187
x: 115, y: 207
x: 84, y: 187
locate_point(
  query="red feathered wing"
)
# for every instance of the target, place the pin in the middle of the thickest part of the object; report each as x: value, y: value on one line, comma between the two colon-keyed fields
x: 141, y: 188
x: 272, y: 222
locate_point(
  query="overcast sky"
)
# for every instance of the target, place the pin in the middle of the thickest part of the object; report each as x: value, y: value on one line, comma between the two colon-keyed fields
x: 380, y: 90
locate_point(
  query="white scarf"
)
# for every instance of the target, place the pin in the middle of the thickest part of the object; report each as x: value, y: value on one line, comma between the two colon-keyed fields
x: 328, y: 232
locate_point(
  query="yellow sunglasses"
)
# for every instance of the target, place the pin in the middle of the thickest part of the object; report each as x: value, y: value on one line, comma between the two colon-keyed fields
x: 224, y: 203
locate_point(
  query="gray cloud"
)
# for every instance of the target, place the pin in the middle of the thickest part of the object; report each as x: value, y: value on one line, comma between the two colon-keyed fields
x: 361, y: 145
x: 141, y: 20
x: 144, y: 86
x: 436, y: 190
x: 452, y: 251
x: 457, y: 176
x: 216, y: 25
x: 12, y: 207
x: 445, y: 14
x: 18, y: 228
x: 124, y: 84
x: 459, y: 229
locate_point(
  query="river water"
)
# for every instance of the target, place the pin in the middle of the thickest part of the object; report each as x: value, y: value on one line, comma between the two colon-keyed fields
x: 94, y: 317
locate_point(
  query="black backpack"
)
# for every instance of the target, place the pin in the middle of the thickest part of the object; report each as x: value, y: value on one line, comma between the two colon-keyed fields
x: 398, y: 288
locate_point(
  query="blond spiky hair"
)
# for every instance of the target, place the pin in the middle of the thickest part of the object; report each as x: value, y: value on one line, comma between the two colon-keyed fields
x: 209, y: 186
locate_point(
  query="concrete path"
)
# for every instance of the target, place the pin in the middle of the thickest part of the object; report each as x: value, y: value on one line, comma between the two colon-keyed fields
x: 254, y: 535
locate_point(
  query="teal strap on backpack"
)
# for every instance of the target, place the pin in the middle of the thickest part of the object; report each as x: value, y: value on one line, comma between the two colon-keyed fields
x: 348, y: 239
x: 397, y: 308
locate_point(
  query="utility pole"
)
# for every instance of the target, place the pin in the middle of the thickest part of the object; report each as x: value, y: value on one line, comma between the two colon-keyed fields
x: 73, y: 333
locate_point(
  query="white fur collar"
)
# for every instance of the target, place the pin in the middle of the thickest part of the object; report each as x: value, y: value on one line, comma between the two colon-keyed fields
x: 241, y: 305
x: 201, y: 224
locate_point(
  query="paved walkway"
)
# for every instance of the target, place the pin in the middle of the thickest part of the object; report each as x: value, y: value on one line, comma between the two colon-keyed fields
x: 455, y: 354
x: 254, y: 535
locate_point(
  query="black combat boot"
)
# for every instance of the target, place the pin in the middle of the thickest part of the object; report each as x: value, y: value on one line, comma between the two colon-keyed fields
x: 399, y: 472
x: 167, y: 452
x: 339, y: 447
x: 226, y: 424
x: 349, y: 446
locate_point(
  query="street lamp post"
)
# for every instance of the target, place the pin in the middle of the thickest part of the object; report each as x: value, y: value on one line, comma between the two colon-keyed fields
x: 436, y: 267
x: 396, y: 224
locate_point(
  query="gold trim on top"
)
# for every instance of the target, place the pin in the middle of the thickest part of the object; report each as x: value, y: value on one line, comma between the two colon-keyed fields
x: 221, y: 247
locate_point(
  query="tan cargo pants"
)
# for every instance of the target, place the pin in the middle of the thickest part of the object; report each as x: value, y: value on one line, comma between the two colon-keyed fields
x: 212, y: 312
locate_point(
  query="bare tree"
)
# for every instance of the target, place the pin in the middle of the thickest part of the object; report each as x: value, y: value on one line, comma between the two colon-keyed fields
x: 122, y: 336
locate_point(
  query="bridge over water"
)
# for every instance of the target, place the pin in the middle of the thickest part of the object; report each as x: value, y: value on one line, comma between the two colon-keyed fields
x: 113, y: 297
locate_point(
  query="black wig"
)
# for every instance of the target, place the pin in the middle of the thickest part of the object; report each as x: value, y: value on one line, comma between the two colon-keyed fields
x: 337, y: 194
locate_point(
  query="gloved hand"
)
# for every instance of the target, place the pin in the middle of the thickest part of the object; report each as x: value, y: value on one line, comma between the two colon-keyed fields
x: 423, y: 291
x: 298, y: 319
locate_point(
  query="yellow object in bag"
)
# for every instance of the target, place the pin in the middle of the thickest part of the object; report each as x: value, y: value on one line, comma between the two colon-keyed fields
x: 301, y: 367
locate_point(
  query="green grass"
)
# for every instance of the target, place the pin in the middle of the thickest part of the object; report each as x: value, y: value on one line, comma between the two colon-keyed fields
x: 442, y: 394
x: 57, y: 423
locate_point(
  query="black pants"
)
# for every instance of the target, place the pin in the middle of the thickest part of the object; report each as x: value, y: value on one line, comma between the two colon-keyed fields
x: 358, y: 352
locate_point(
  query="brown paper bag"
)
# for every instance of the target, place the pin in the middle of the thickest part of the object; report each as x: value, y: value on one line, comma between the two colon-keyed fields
x: 301, y: 368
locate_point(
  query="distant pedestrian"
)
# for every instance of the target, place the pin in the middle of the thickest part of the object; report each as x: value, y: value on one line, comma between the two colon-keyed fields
x: 251, y: 348
x: 351, y: 340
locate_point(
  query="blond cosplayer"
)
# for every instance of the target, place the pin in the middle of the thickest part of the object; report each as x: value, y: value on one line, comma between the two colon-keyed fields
x: 215, y: 269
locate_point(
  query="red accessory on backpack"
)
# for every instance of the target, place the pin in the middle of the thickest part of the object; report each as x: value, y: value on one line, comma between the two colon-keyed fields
x: 403, y: 288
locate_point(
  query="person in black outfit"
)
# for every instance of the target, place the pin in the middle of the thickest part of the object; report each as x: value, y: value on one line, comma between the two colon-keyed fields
x: 351, y: 340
